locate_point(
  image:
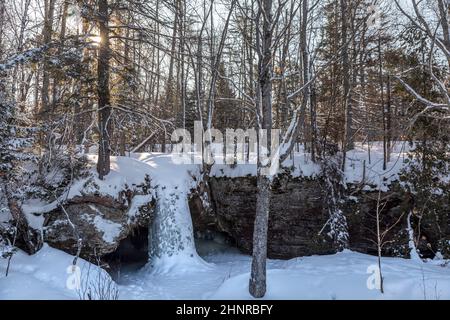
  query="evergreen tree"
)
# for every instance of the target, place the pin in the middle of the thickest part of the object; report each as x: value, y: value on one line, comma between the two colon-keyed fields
x: 14, y: 155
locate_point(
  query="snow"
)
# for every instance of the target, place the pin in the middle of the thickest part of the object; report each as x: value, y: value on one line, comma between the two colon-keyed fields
x: 411, y: 244
x: 23, y: 57
x: 110, y: 230
x: 300, y: 164
x: 333, y: 277
x: 37, y: 206
x: 45, y: 275
x: 374, y: 174
x: 137, y: 202
x: 344, y: 276
x: 125, y: 173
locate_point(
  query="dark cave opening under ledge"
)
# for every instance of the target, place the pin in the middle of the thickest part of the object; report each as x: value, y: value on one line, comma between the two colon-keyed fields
x: 131, y: 254
x: 211, y: 242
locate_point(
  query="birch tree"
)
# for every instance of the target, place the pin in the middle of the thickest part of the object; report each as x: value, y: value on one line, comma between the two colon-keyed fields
x: 264, y: 40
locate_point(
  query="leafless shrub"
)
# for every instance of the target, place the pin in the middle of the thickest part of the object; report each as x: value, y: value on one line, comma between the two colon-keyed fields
x: 97, y: 285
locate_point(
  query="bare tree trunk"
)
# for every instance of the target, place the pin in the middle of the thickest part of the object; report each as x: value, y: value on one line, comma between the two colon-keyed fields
x: 443, y: 17
x: 84, y: 89
x: 62, y: 36
x: 2, y: 19
x: 125, y: 80
x: 258, y: 272
x: 215, y: 67
x: 199, y: 85
x: 379, y: 270
x: 281, y: 106
x: 122, y: 143
x: 182, y: 83
x: 388, y: 121
x: 170, y: 94
x: 20, y: 43
x: 47, y: 35
x: 379, y: 240
x: 383, y: 107
x: 314, y: 133
x: 158, y: 67
x: 104, y: 109
x: 257, y: 284
x: 348, y: 134
x: 306, y: 75
x: 362, y: 80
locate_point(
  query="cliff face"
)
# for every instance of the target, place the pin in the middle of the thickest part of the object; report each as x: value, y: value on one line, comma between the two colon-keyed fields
x: 361, y: 210
x: 298, y: 224
x: 299, y: 214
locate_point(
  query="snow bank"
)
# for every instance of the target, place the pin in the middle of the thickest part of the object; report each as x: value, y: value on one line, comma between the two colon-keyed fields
x: 300, y: 164
x: 335, y: 277
x: 45, y: 275
x: 125, y: 173
x: 344, y: 276
x: 340, y: 276
x: 358, y: 158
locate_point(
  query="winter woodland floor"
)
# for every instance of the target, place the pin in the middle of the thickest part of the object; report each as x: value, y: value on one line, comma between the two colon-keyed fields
x: 340, y: 276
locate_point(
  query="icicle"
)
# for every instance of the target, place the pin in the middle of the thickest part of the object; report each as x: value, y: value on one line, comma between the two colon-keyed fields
x: 171, y: 239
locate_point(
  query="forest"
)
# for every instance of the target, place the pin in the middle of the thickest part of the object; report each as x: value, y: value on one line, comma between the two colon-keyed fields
x: 217, y: 149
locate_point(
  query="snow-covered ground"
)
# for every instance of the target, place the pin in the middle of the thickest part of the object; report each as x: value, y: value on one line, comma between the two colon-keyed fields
x: 225, y: 276
x: 49, y: 274
x: 366, y: 162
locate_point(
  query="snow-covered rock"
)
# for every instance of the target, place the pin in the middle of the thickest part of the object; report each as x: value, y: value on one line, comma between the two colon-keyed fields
x: 99, y: 221
x: 98, y: 214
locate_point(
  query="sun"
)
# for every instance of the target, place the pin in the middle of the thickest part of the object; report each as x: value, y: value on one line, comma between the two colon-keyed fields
x: 95, y: 40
